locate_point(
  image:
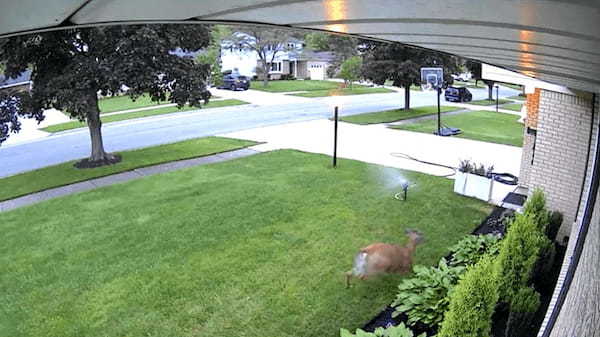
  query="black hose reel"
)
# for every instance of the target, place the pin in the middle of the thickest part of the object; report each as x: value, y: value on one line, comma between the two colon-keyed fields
x: 505, y: 178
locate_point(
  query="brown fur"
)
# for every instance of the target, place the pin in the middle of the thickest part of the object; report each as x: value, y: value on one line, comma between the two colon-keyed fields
x: 389, y: 258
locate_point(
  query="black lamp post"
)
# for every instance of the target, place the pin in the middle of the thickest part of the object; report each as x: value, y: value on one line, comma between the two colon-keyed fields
x: 335, y: 131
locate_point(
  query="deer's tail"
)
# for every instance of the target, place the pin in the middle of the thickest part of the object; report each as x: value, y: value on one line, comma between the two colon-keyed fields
x: 359, y: 269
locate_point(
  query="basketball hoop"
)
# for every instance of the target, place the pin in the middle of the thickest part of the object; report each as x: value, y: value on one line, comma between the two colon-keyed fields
x: 432, y: 78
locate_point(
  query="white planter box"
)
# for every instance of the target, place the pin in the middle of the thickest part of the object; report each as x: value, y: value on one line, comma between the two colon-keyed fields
x: 478, y: 187
x: 460, y: 181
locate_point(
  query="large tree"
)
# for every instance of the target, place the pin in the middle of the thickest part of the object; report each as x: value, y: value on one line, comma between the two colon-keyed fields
x: 475, y: 69
x: 211, y: 56
x: 266, y: 42
x: 402, y: 65
x: 70, y: 68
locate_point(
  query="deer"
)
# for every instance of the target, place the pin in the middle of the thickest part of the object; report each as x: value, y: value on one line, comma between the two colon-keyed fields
x: 379, y: 258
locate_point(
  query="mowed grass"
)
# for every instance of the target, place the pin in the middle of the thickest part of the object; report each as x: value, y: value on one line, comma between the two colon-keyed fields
x: 518, y: 97
x: 388, y: 116
x: 356, y: 90
x: 294, y: 85
x: 485, y: 126
x: 512, y: 106
x: 250, y: 247
x: 119, y: 103
x: 141, y: 114
x: 64, y: 174
x: 488, y: 102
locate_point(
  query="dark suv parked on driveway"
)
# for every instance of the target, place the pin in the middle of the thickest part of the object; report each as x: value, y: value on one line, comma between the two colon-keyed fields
x: 458, y: 94
x: 235, y: 82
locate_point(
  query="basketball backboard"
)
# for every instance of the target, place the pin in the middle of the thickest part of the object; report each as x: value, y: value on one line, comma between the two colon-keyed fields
x: 432, y: 78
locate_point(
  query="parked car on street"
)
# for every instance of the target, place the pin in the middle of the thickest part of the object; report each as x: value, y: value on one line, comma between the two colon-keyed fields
x: 235, y: 82
x: 458, y: 94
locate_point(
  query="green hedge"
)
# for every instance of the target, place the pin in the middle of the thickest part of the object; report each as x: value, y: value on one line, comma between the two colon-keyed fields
x: 472, y: 303
x: 522, y: 311
x: 520, y: 251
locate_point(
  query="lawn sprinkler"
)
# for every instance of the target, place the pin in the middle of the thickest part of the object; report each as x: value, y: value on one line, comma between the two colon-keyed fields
x: 404, y: 184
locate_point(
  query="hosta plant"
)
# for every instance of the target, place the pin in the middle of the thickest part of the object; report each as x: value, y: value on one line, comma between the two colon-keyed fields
x: 424, y: 297
x: 469, y: 250
x: 392, y: 331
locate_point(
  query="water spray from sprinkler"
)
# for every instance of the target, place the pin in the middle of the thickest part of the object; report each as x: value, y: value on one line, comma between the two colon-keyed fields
x: 404, y: 185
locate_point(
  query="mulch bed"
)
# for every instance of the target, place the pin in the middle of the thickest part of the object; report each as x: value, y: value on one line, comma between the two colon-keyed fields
x: 87, y: 163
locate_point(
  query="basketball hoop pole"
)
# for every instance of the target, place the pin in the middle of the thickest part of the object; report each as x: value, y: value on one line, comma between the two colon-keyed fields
x: 439, y: 91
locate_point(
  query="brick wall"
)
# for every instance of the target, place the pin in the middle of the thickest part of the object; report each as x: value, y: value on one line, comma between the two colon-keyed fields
x: 533, y: 105
x: 561, y: 149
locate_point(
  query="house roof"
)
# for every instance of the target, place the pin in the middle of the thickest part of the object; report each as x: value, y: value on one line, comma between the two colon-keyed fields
x: 322, y: 56
x: 23, y: 78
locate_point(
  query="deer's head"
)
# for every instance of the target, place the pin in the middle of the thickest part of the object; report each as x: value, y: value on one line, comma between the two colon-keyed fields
x: 415, y: 236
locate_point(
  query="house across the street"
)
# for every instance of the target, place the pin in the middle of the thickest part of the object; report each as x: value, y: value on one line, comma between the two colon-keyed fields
x: 295, y: 61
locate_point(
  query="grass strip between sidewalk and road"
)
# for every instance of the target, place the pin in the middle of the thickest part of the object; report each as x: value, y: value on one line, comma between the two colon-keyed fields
x: 486, y: 126
x: 344, y: 92
x: 252, y: 247
x: 487, y: 102
x: 141, y: 114
x: 294, y: 85
x: 388, y: 116
x: 518, y: 98
x: 65, y: 174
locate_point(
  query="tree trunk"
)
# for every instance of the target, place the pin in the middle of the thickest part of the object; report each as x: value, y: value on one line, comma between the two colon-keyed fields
x: 265, y: 73
x: 406, y: 96
x: 98, y: 156
x: 491, y: 91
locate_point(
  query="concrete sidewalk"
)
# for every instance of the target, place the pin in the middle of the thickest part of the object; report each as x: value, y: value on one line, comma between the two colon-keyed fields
x: 380, y: 145
x: 121, y: 177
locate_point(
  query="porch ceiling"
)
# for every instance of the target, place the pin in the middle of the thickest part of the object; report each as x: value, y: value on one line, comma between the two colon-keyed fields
x: 553, y: 40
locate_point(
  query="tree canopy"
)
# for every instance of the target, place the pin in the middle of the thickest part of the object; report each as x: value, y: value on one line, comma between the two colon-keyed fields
x: 266, y: 42
x: 71, y: 67
x: 402, y: 64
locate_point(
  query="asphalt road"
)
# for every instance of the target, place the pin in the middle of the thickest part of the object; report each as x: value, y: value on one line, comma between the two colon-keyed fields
x: 126, y: 135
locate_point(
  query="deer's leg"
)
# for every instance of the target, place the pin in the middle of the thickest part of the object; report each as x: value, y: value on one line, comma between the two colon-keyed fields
x: 348, y: 277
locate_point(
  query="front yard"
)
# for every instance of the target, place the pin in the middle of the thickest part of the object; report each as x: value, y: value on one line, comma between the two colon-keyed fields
x: 388, y: 116
x: 251, y: 247
x: 294, y: 85
x: 485, y: 126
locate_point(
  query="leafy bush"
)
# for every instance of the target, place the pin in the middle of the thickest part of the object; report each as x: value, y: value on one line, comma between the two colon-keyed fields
x: 518, y: 255
x: 287, y: 77
x: 469, y: 250
x: 472, y: 303
x: 554, y: 222
x: 522, y: 311
x: 536, y: 207
x: 467, y: 167
x: 392, y: 331
x: 424, y: 297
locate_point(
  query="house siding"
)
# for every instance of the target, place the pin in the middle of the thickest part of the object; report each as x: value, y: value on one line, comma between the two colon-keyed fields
x: 555, y: 158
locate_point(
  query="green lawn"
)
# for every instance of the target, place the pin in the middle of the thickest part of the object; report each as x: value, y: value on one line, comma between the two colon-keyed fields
x: 395, y: 115
x: 486, y: 126
x: 143, y: 113
x: 119, y: 103
x: 64, y: 174
x: 295, y: 85
x: 488, y: 102
x: 512, y: 106
x: 357, y: 90
x: 250, y: 247
x: 518, y: 97
x: 470, y: 84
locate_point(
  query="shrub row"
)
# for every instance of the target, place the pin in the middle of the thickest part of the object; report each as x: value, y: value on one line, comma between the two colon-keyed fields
x: 508, y: 279
x: 393, y: 331
x: 460, y: 296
